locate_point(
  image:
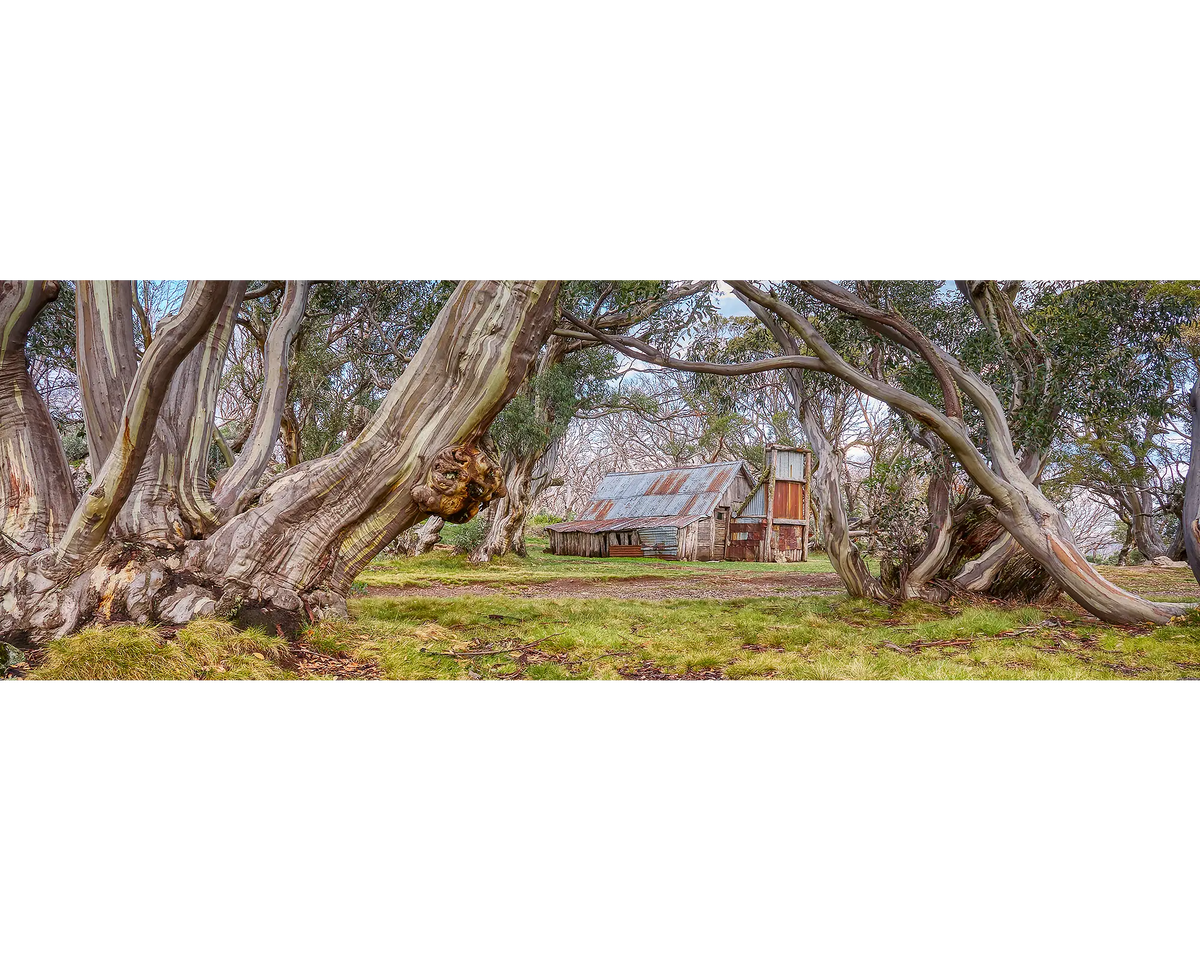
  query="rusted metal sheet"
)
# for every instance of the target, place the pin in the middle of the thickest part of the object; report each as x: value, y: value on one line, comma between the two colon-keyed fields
x: 673, y: 512
x: 787, y: 540
x: 789, y: 500
x: 662, y: 493
x: 721, y: 478
x: 745, y: 539
x: 611, y: 524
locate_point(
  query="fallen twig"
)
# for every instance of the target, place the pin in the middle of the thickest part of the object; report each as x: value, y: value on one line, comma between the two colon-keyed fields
x: 467, y: 653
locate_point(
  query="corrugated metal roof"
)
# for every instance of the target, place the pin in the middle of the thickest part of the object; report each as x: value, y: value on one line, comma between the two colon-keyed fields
x: 681, y: 491
x: 624, y: 523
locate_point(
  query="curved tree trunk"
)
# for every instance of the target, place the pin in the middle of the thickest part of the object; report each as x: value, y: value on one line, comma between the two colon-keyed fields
x: 905, y: 581
x: 105, y: 359
x: 526, y: 475
x: 525, y: 479
x: 1145, y: 532
x: 985, y: 559
x: 430, y: 532
x: 235, y: 488
x: 37, y: 492
x: 917, y: 580
x: 1191, y: 495
x: 171, y: 502
x: 826, y: 485
x: 318, y: 525
x: 506, y: 515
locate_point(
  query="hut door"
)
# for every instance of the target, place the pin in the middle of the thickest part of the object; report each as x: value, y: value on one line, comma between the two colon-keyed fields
x: 720, y: 529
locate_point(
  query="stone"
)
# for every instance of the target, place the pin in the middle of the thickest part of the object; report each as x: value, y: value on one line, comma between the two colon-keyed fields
x: 10, y: 656
x: 1165, y: 561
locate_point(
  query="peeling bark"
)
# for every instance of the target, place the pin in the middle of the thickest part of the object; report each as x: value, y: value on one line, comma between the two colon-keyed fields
x: 115, y: 478
x: 525, y: 479
x: 318, y: 526
x: 291, y: 557
x: 1146, y: 535
x: 236, y: 486
x: 105, y: 359
x: 826, y: 481
x: 428, y: 537
x: 916, y: 579
x: 37, y: 492
x: 1191, y: 495
x: 985, y: 559
x: 171, y: 502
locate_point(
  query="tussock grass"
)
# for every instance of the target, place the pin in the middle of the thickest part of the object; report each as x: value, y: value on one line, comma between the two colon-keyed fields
x: 114, y: 653
x: 203, y: 650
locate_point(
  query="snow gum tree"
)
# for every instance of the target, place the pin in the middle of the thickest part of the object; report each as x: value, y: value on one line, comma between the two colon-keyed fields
x: 153, y: 538
x: 1004, y: 468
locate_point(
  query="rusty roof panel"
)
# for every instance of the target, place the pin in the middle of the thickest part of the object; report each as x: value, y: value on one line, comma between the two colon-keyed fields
x: 682, y: 491
x: 624, y: 523
x: 721, y: 479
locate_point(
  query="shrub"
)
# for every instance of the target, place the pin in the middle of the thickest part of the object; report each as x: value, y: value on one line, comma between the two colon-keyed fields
x: 465, y: 537
x: 74, y: 440
x: 536, y: 526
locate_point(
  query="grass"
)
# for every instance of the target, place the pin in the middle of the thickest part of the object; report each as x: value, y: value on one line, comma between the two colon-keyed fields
x: 441, y: 567
x: 203, y: 650
x: 817, y: 638
x: 502, y: 635
x: 1171, y: 583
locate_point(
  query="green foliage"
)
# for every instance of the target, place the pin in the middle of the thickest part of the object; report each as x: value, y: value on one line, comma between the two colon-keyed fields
x: 52, y: 337
x: 74, y: 441
x: 893, y: 496
x: 588, y: 296
x: 465, y: 537
x: 543, y: 409
x: 331, y: 376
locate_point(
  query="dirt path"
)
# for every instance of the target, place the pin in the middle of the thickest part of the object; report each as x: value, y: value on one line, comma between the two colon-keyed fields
x: 699, y: 587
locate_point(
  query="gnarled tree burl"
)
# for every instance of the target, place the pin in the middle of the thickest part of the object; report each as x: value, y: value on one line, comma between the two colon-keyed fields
x: 153, y: 539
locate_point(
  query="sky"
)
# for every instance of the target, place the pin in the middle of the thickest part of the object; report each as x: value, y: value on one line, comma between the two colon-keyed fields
x: 728, y: 303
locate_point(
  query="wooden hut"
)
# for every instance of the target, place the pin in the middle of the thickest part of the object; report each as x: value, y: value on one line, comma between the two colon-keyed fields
x: 678, y: 514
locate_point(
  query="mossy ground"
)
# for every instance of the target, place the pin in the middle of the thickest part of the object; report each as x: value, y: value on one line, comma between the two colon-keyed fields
x: 503, y: 635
